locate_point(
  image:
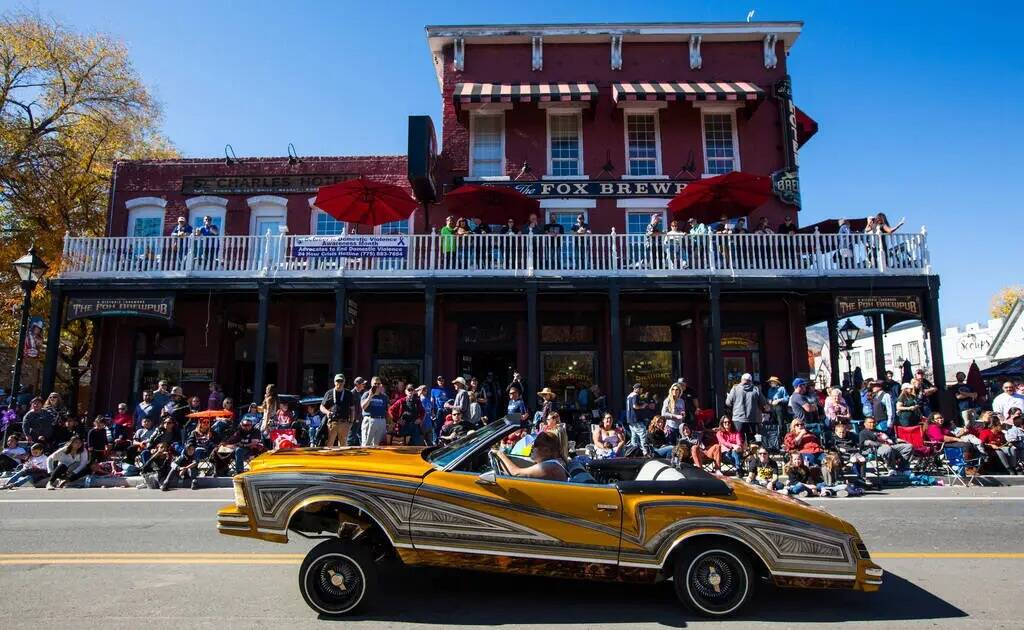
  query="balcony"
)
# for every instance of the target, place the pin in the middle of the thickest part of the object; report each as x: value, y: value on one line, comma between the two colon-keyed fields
x: 526, y: 256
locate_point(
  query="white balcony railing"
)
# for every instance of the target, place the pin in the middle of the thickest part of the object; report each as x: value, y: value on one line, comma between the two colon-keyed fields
x: 432, y: 255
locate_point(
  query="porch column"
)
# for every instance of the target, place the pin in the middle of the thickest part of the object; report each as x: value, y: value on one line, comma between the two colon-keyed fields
x: 615, y: 337
x: 532, y: 351
x: 879, y: 336
x: 717, y: 367
x: 935, y: 343
x: 338, y: 338
x: 262, y: 317
x: 430, y: 300
x: 833, y: 349
x: 53, y: 341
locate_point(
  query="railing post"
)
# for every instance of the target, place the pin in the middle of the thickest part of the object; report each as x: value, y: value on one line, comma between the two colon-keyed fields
x: 189, y: 253
x: 711, y: 251
x: 530, y: 244
x: 265, y: 266
x: 817, y: 250
x: 614, y: 249
x: 64, y: 253
x: 926, y: 259
x: 881, y: 254
x: 433, y: 248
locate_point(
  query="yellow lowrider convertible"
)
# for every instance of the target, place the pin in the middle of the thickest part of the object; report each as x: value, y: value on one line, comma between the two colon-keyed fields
x: 455, y: 506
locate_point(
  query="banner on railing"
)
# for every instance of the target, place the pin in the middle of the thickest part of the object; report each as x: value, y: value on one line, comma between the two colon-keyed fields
x: 161, y: 307
x: 351, y: 246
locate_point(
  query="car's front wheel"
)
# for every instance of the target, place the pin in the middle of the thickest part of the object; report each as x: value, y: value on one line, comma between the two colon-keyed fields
x: 337, y: 577
x: 714, y: 579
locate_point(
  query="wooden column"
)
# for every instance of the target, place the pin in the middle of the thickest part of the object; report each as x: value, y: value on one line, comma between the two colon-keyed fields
x: 833, y: 349
x: 878, y: 333
x: 618, y: 395
x: 532, y: 348
x: 262, y: 321
x: 338, y: 338
x: 430, y: 299
x: 53, y: 341
x: 717, y: 366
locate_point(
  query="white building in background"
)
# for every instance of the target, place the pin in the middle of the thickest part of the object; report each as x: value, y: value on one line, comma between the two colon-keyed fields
x: 992, y: 342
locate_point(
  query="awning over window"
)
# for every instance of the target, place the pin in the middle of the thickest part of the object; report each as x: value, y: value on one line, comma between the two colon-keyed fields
x: 523, y: 92
x: 676, y: 91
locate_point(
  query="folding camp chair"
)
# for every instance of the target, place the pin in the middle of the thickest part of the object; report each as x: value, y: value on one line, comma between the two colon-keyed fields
x: 963, y: 471
x: 925, y: 456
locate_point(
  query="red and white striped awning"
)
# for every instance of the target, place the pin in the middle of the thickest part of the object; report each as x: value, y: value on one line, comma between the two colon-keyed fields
x: 677, y: 91
x: 523, y: 92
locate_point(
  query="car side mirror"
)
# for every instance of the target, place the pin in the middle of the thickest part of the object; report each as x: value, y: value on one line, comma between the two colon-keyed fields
x: 487, y: 479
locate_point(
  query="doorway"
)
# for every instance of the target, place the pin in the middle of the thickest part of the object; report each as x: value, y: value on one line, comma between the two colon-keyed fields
x: 736, y: 363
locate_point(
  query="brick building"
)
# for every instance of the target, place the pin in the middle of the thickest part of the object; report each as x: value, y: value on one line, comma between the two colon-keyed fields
x: 604, y: 121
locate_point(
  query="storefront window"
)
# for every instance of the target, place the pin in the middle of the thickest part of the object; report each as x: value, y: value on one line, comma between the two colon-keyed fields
x: 650, y: 368
x: 566, y: 333
x: 149, y: 373
x: 568, y: 372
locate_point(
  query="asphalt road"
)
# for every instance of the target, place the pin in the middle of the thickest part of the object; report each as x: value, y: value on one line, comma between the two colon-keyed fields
x: 117, y: 558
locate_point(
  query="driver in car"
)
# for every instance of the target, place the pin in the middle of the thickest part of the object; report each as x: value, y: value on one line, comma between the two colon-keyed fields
x: 547, y: 455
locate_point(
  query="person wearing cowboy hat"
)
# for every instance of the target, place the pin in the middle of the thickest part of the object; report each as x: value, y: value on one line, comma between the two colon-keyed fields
x: 462, y: 401
x: 778, y: 400
x: 547, y: 407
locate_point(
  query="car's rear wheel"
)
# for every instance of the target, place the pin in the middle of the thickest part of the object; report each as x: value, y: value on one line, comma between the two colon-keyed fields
x: 337, y: 577
x: 714, y: 579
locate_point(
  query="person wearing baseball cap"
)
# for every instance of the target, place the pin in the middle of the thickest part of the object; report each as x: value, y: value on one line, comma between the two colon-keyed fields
x: 337, y: 409
x: 802, y: 405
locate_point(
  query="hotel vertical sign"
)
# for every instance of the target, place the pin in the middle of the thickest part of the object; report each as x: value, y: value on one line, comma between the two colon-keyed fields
x: 786, y: 182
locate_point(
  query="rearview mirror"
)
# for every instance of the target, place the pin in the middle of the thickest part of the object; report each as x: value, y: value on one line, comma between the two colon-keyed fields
x: 487, y: 479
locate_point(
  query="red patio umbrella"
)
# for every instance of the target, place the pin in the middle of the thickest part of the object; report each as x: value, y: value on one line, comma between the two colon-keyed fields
x: 491, y: 204
x: 365, y: 201
x: 734, y: 194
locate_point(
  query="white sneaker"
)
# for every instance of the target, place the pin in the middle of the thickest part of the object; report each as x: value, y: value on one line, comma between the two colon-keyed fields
x: 50, y: 486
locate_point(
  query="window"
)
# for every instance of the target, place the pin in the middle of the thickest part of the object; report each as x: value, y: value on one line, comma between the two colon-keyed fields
x: 146, y: 216
x: 869, y: 362
x: 642, y: 144
x: 565, y: 146
x: 486, y: 144
x: 568, y: 372
x: 897, y: 354
x: 638, y: 220
x: 567, y: 218
x: 651, y: 368
x: 720, y: 142
x: 395, y: 227
x: 214, y: 207
x: 326, y: 225
x: 914, y: 352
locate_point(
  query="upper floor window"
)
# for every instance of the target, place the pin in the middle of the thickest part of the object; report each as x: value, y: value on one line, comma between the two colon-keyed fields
x: 914, y: 352
x: 638, y: 220
x: 396, y: 227
x: 146, y: 216
x: 567, y: 218
x: 643, y: 144
x: 721, y: 145
x: 565, y: 144
x: 323, y: 224
x: 207, y: 206
x: 268, y: 213
x: 486, y: 144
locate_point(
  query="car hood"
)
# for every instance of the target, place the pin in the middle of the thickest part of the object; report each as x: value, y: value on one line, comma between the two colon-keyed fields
x: 399, y: 460
x: 760, y: 498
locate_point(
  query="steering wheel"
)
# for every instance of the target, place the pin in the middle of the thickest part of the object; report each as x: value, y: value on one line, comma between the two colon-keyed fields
x: 496, y: 464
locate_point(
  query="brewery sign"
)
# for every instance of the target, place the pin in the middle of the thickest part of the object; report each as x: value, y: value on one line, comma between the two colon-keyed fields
x: 160, y: 307
x: 550, y: 188
x: 906, y: 305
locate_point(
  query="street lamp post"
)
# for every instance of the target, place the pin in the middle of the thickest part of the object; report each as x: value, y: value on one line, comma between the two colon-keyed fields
x: 30, y: 269
x: 848, y: 335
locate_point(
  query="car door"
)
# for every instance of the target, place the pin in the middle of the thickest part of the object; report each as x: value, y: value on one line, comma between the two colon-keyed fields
x: 518, y: 524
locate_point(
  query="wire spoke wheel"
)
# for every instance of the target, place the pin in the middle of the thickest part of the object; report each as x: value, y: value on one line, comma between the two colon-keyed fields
x: 336, y: 577
x: 714, y: 581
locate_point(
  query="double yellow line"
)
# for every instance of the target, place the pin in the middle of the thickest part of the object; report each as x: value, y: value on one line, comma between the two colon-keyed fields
x: 296, y: 558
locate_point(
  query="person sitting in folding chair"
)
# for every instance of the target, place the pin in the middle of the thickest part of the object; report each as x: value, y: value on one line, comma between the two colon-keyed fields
x: 895, y: 455
x: 806, y: 443
x: 993, y: 440
x: 939, y: 431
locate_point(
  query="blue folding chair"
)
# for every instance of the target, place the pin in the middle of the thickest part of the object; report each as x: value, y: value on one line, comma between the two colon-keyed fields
x: 957, y: 466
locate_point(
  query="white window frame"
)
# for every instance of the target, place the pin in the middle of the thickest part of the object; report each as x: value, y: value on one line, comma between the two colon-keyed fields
x: 473, y: 117
x: 208, y: 205
x: 719, y: 108
x: 315, y: 212
x: 647, y: 212
x: 376, y: 228
x: 267, y: 206
x: 565, y: 111
x: 145, y: 208
x: 643, y: 111
x: 566, y: 209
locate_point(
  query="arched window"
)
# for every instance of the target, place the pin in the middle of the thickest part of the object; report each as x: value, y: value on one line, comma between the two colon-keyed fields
x: 268, y: 213
x: 214, y: 207
x: 146, y: 216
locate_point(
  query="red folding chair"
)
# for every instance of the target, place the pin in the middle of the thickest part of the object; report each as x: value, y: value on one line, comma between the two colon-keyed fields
x: 925, y: 455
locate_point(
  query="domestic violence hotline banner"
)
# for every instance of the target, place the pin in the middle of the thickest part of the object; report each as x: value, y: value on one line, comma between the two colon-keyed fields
x: 351, y: 246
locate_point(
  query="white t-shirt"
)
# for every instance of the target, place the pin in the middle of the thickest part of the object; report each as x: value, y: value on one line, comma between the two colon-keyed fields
x: 1003, y: 402
x: 15, y: 453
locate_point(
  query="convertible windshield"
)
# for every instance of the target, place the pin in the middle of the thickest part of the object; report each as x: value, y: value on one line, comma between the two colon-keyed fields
x: 445, y: 455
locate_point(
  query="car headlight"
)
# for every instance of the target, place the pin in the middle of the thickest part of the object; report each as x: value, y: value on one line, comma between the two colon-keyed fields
x: 239, y: 486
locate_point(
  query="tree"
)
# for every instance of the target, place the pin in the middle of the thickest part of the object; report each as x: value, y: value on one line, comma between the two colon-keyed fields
x: 71, y: 105
x: 1003, y: 301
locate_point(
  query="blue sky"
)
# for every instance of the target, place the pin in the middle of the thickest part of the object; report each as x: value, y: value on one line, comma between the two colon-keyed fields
x: 919, y: 104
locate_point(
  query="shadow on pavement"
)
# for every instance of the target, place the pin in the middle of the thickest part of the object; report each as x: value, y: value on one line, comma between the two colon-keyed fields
x: 448, y: 597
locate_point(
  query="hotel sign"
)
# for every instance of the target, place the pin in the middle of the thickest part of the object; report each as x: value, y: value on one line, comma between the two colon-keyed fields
x: 258, y: 184
x: 161, y: 307
x: 907, y: 305
x: 548, y: 188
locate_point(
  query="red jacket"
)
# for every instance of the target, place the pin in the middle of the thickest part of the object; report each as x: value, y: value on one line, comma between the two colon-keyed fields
x: 396, y: 408
x: 124, y: 420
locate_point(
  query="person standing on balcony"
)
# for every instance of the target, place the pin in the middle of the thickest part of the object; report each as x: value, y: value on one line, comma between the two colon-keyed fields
x: 207, y: 249
x: 182, y: 230
x: 787, y: 227
x: 763, y: 227
x: 677, y: 257
x: 698, y: 231
x: 655, y: 242
x: 532, y: 226
x: 448, y: 241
